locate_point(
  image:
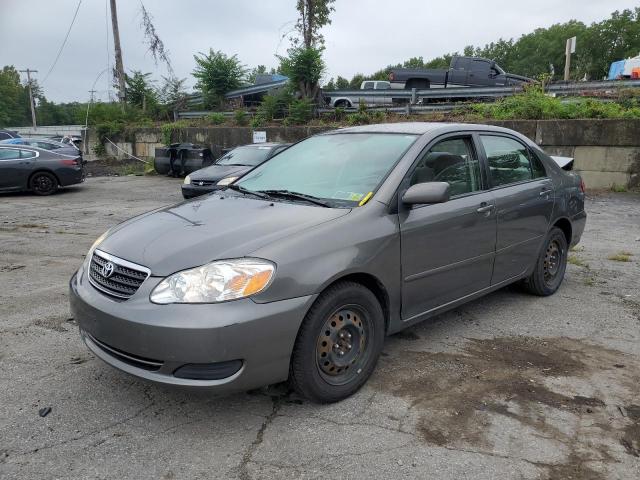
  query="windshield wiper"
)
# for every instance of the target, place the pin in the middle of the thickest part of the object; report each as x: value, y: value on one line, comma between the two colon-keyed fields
x: 246, y: 191
x: 297, y: 196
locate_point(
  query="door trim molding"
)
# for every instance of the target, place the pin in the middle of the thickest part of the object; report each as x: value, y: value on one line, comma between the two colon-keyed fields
x: 444, y: 268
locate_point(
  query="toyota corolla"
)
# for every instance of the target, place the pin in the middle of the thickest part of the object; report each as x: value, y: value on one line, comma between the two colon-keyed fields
x: 301, y: 268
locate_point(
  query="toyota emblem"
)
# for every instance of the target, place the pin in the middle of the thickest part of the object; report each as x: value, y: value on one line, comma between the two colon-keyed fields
x: 201, y: 183
x: 108, y: 269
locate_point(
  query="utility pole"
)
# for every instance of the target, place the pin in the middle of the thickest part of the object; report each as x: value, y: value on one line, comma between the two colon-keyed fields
x: 33, y: 109
x: 116, y: 43
x: 569, y: 49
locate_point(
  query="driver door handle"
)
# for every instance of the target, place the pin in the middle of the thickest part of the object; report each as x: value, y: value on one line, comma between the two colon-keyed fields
x: 484, y: 208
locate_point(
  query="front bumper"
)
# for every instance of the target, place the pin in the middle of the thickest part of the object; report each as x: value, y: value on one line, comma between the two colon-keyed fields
x: 194, y: 190
x: 160, y: 339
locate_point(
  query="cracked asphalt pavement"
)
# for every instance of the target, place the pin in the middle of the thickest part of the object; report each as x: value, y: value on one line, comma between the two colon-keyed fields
x: 509, y: 386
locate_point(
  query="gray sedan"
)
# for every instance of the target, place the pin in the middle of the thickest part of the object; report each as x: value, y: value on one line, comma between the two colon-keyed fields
x: 300, y: 269
x: 37, y: 170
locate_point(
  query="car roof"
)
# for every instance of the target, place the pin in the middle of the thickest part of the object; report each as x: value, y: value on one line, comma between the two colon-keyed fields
x: 19, y: 141
x: 264, y: 144
x: 420, y: 128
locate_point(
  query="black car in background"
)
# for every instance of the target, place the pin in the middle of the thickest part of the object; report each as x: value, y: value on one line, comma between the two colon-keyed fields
x: 39, y: 171
x: 229, y: 168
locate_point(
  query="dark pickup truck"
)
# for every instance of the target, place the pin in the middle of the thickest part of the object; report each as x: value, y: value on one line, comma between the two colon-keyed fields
x: 462, y: 72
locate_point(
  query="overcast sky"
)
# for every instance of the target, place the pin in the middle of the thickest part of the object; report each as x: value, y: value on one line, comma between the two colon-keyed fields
x: 365, y: 35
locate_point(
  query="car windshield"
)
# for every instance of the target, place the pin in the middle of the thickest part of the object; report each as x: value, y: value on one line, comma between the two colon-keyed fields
x: 249, y: 156
x: 341, y: 169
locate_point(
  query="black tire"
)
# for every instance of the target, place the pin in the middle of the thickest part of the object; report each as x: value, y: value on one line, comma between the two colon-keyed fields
x: 338, y: 344
x: 550, y: 266
x: 43, y: 183
x: 343, y: 104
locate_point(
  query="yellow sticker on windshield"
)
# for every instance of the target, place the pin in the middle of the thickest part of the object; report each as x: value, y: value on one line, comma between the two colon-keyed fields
x: 365, y: 199
x: 355, y: 196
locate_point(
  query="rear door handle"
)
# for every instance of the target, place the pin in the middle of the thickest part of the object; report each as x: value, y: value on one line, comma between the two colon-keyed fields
x: 545, y: 192
x: 485, y: 208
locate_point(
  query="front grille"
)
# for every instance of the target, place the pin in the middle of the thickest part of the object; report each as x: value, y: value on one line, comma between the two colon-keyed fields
x: 128, y: 358
x: 114, y: 276
x: 203, y: 183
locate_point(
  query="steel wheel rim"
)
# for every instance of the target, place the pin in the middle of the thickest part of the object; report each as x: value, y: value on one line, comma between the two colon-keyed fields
x: 552, y: 262
x: 341, y: 347
x: 42, y: 183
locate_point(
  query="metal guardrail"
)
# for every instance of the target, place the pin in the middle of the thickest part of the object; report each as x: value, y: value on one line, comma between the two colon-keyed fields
x: 572, y: 88
x: 411, y: 98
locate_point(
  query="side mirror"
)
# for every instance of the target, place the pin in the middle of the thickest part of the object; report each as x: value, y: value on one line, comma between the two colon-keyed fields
x: 429, y: 192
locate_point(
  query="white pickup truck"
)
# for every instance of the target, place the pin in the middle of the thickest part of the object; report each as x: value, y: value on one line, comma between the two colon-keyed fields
x: 343, y: 101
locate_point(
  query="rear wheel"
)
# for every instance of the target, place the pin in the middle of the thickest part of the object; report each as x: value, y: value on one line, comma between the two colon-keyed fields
x: 551, y: 265
x: 343, y: 104
x: 43, y: 183
x: 338, y: 344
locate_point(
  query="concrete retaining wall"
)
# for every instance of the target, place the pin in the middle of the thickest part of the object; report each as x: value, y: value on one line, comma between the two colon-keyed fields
x: 606, y: 152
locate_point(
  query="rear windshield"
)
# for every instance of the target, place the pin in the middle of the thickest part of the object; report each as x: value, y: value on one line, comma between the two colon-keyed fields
x: 246, y: 156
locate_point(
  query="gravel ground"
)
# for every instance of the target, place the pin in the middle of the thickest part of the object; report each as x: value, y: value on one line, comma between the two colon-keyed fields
x: 509, y: 386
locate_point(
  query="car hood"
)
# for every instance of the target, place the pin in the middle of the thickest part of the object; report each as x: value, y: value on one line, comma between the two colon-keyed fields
x: 219, y: 226
x: 218, y: 172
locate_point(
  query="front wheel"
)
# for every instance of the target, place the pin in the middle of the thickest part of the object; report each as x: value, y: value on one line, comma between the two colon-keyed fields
x: 551, y: 265
x: 338, y: 344
x: 43, y: 183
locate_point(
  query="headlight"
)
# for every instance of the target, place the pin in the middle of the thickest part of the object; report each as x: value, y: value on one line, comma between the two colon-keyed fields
x: 227, y: 181
x: 215, y: 282
x: 87, y: 258
x: 187, y: 180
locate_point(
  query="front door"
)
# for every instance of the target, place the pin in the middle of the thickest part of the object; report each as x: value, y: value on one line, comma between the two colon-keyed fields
x: 524, y: 199
x: 447, y: 249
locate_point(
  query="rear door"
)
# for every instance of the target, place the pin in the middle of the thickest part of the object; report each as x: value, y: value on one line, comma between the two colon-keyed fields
x: 524, y: 199
x: 448, y: 248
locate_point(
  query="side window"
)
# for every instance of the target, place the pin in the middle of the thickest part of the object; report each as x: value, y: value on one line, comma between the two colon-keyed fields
x: 27, y: 154
x: 510, y: 161
x: 368, y: 86
x: 46, y: 146
x: 383, y: 86
x: 452, y: 161
x: 9, y: 154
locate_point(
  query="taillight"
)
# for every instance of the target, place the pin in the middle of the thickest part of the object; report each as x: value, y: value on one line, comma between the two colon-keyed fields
x: 583, y: 187
x: 73, y: 162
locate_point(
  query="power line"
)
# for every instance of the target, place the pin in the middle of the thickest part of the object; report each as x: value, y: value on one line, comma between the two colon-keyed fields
x: 63, y: 43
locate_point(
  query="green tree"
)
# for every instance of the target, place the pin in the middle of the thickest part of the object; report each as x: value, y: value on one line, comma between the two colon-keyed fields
x: 304, y: 66
x: 341, y: 83
x: 313, y: 15
x: 253, y: 74
x: 217, y: 74
x: 140, y: 91
x: 14, y: 99
x: 173, y: 92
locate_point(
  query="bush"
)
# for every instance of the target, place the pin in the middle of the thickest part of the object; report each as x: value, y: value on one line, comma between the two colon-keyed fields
x: 533, y: 104
x: 216, y: 118
x: 258, y: 121
x: 241, y: 118
x: 300, y: 111
x: 168, y: 130
x: 358, y: 118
